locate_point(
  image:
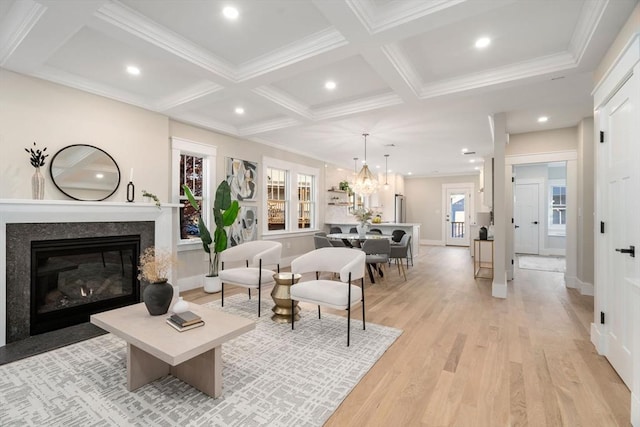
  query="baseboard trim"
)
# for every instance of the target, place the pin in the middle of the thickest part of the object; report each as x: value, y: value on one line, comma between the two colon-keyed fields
x: 191, y: 282
x: 585, y: 288
x: 635, y: 410
x: 498, y: 290
x: 571, y: 282
x: 432, y: 242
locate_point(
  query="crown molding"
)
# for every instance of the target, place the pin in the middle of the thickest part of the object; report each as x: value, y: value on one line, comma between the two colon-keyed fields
x: 206, y: 123
x: 127, y: 19
x: 307, y: 47
x: 522, y: 70
x: 590, y: 17
x: 268, y: 126
x: 403, y: 67
x: 187, y: 95
x: 359, y: 106
x: 283, y: 100
x: 17, y: 24
x: 377, y: 19
x: 67, y: 79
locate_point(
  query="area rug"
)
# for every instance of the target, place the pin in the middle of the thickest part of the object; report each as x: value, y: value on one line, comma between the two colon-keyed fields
x: 544, y: 263
x: 271, y: 376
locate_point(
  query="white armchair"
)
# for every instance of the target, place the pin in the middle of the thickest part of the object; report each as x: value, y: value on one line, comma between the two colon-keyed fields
x: 341, y: 295
x: 253, y: 275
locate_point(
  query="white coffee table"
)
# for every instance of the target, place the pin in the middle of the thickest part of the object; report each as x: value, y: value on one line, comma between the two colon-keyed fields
x: 155, y: 349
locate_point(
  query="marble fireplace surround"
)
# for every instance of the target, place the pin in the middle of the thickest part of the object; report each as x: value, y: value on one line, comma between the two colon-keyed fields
x: 62, y: 211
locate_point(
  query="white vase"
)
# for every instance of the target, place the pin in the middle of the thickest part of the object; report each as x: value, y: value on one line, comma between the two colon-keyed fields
x: 180, y: 306
x: 362, y: 229
x: 37, y: 185
x: 212, y: 284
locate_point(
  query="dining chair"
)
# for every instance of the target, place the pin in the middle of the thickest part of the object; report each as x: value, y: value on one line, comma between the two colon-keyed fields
x: 377, y: 255
x: 375, y: 231
x: 334, y: 230
x: 399, y: 252
x: 321, y: 242
x: 340, y: 294
x: 255, y: 255
x: 396, y: 236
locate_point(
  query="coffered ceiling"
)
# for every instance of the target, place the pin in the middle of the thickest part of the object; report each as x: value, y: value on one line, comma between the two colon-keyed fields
x: 406, y: 71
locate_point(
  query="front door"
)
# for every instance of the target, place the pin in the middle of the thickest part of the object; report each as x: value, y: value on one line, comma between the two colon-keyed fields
x: 457, y: 216
x: 619, y: 155
x: 526, y: 221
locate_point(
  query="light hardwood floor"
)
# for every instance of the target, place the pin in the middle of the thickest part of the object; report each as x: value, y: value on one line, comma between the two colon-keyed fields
x: 467, y: 359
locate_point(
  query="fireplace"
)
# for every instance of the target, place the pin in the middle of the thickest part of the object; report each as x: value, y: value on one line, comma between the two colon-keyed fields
x: 74, y: 278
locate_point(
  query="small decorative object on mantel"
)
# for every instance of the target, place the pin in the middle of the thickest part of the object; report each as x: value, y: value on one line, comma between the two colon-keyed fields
x: 37, y: 180
x: 131, y: 189
x: 151, y: 196
x: 154, y: 267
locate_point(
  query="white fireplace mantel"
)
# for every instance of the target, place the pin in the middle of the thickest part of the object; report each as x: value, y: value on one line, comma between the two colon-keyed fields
x: 17, y: 211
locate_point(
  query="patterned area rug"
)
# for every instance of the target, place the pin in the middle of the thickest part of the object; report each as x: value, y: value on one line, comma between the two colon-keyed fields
x: 272, y: 376
x: 544, y: 263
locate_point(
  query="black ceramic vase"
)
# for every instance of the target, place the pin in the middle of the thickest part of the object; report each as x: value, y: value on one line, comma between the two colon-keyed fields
x: 157, y: 297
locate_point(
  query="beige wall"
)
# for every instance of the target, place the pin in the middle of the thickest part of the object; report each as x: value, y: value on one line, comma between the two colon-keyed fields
x: 586, y: 200
x: 630, y: 27
x: 55, y: 116
x: 424, y: 202
x: 542, y: 142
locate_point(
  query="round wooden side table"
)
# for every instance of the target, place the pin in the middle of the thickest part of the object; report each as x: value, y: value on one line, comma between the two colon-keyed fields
x: 282, y: 297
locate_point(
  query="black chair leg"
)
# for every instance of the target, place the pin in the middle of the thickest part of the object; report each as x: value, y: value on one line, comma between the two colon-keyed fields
x: 249, y: 293
x: 318, y: 312
x: 293, y: 314
x: 348, y: 323
x: 259, y: 297
x: 222, y: 293
x: 362, y: 288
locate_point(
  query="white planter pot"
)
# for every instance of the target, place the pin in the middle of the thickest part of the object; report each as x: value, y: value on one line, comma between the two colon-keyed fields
x: 212, y: 284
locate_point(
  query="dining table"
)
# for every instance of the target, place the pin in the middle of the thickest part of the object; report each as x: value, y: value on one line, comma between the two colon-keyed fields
x: 347, y: 238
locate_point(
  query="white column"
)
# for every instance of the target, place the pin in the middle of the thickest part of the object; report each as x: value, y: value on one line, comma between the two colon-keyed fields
x: 499, y: 286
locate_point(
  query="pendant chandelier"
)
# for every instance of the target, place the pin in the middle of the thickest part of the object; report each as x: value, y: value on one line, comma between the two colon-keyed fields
x: 365, y: 183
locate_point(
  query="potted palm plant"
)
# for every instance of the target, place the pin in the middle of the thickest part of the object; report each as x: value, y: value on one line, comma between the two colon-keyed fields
x: 225, y: 212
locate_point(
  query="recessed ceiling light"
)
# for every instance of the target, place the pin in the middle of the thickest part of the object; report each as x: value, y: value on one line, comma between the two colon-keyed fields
x: 377, y: 166
x: 231, y: 13
x: 472, y: 161
x: 133, y: 70
x: 543, y: 119
x: 331, y: 85
x: 477, y: 168
x: 409, y: 173
x: 464, y: 150
x: 239, y: 110
x: 483, y: 42
x: 389, y: 171
x: 99, y: 175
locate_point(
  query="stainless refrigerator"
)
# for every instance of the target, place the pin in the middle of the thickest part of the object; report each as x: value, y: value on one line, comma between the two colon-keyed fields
x: 399, y: 213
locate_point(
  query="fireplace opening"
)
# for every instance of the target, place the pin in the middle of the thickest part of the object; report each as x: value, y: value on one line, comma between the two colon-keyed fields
x: 74, y: 278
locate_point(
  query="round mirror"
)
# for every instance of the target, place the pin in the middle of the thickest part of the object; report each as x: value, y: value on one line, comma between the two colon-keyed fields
x: 84, y: 172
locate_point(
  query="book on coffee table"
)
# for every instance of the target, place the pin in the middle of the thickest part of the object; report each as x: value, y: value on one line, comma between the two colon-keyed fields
x: 184, y: 328
x: 185, y: 319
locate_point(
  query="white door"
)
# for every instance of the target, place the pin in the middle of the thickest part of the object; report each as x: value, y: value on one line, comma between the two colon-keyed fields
x: 526, y: 222
x: 457, y: 216
x: 621, y: 225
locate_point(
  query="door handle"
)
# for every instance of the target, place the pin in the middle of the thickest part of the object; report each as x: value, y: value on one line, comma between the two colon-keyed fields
x: 535, y: 222
x: 517, y: 226
x: 631, y: 251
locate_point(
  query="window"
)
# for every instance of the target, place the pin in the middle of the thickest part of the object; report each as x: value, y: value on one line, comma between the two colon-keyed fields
x: 557, y: 207
x: 193, y: 165
x: 305, y: 200
x: 276, y: 199
x: 291, y: 196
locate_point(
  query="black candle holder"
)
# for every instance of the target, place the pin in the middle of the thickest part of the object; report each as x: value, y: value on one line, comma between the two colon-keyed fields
x: 131, y: 192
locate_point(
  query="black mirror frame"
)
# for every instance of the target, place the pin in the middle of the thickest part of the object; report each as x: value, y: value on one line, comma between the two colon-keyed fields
x: 84, y: 145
